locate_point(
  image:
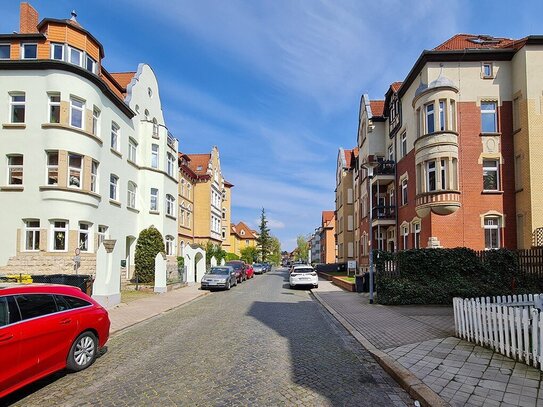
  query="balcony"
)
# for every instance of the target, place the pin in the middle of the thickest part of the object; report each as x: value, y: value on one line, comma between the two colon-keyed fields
x: 171, y: 140
x: 383, y: 215
x: 439, y: 202
x: 384, y: 173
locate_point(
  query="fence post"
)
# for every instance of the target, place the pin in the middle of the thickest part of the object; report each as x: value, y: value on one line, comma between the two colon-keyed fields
x: 512, y: 332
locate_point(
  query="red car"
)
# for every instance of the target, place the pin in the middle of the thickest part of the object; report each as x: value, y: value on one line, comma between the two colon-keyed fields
x: 239, y: 268
x: 250, y: 271
x: 45, y: 328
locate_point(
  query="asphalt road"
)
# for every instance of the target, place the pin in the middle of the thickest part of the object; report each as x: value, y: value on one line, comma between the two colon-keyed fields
x: 259, y: 344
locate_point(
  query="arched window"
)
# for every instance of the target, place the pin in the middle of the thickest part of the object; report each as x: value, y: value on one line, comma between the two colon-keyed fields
x: 169, y: 246
x: 131, y: 198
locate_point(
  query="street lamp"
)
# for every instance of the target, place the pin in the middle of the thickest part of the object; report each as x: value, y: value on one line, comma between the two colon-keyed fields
x: 369, y: 166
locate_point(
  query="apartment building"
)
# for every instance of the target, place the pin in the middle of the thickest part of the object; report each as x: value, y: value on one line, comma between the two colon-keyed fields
x: 455, y: 155
x: 241, y: 236
x: 187, y: 181
x: 87, y: 154
x: 344, y: 212
x: 327, y: 237
x: 212, y: 198
x: 315, y: 246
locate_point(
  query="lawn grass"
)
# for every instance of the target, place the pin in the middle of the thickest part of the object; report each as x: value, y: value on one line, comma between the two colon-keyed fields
x: 131, y: 295
x: 335, y: 273
x: 347, y: 279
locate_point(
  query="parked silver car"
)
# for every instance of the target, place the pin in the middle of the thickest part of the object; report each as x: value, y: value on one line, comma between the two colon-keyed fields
x: 219, y: 277
x: 259, y: 268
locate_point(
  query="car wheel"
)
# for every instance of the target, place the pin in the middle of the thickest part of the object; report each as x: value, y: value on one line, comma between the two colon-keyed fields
x: 83, y: 352
x: 291, y: 286
x: 228, y: 285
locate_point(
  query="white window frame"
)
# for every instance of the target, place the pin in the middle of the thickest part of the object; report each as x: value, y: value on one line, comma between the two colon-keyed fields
x: 169, y: 245
x: 96, y: 121
x: 102, y: 234
x: 490, y: 229
x: 443, y: 172
x: 154, y: 155
x: 491, y: 168
x: 85, y: 229
x: 403, y: 144
x: 51, y: 167
x: 405, y: 197
x: 34, y: 231
x: 442, y: 113
x: 484, y: 73
x: 14, y: 168
x: 416, y: 235
x: 17, y: 104
x: 431, y: 171
x: 74, y: 108
x: 53, y: 104
x: 93, y: 63
x: 429, y: 118
x: 131, y: 192
x: 115, y: 136
x: 132, y: 150
x: 23, y: 50
x: 75, y: 170
x: 73, y: 50
x: 55, y: 45
x: 59, y: 229
x: 171, y: 165
x: 391, y: 152
x: 113, y: 187
x: 405, y: 237
x: 489, y: 111
x: 154, y: 200
x: 94, y: 176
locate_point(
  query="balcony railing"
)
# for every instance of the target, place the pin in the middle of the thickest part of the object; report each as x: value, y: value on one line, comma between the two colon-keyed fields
x: 384, y: 212
x: 385, y: 168
x: 171, y: 140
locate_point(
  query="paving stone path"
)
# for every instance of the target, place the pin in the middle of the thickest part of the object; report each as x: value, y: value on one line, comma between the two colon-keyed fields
x: 259, y: 344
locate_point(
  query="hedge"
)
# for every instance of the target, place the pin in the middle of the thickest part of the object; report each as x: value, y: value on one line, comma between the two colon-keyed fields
x: 436, y: 276
x: 149, y: 244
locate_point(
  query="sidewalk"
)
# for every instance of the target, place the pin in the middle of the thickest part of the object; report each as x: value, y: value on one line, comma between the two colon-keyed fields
x: 125, y: 315
x: 415, y: 344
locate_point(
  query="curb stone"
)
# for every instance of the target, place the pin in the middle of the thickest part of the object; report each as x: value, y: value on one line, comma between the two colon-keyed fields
x: 410, y: 383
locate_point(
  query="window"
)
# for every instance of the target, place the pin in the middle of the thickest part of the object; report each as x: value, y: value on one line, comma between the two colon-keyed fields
x: 488, y: 117
x: 429, y: 112
x: 73, y: 302
x: 32, y: 235
x: 171, y: 165
x: 15, y: 169
x: 491, y: 180
x: 132, y: 150
x: 35, y: 305
x: 52, y: 168
x: 404, y: 144
x: 60, y: 234
x: 94, y: 176
x: 154, y: 155
x: 95, y: 121
x: 516, y: 113
x: 77, y: 107
x: 169, y: 246
x: 443, y: 171
x: 223, y: 233
x: 431, y: 176
x: 188, y: 191
x: 75, y: 162
x: 442, y: 115
x: 154, y: 199
x: 4, y: 51
x: 391, y: 200
x: 404, y: 191
x: 391, y: 152
x: 155, y: 128
x: 29, y: 51
x: 115, y: 130
x: 189, y: 214
x: 83, y: 236
x: 102, y: 233
x: 17, y: 108
x: 54, y: 108
x: 131, y: 192
x: 487, y: 70
x: 90, y: 64
x: 57, y: 52
x: 182, y: 214
x: 452, y: 115
x: 492, y: 232
x: 113, y: 183
x: 224, y: 213
x: 405, y: 234
x: 416, y: 235
x: 75, y: 56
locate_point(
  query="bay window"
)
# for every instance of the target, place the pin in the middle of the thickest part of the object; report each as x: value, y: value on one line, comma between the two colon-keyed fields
x: 54, y: 108
x: 154, y: 199
x: 431, y: 176
x: 77, y: 107
x: 52, y: 168
x: 131, y: 192
x: 113, y: 183
x: 59, y: 236
x: 75, y: 162
x: 429, y: 114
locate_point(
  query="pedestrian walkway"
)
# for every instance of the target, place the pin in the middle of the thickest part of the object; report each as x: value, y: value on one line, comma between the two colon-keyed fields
x: 417, y: 346
x: 124, y: 315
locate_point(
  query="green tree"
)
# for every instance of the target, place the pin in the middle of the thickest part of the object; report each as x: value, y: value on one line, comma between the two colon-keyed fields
x: 214, y: 250
x: 249, y: 254
x: 231, y: 256
x: 302, y: 248
x: 263, y: 241
x: 149, y: 244
x: 275, y: 251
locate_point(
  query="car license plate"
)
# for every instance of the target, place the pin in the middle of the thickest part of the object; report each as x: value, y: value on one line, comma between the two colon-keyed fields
x: 212, y: 283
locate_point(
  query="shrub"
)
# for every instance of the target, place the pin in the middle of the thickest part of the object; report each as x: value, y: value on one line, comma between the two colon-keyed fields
x: 231, y: 256
x: 149, y: 244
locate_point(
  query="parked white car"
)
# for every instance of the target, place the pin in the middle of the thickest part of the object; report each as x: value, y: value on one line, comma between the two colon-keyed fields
x: 303, y: 274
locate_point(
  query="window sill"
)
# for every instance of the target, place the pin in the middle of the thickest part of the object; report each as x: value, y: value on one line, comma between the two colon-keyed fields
x: 114, y: 202
x: 117, y: 153
x: 156, y: 136
x: 132, y: 209
x: 68, y: 189
x: 487, y: 77
x: 71, y: 128
x: 154, y: 212
x: 171, y: 217
x: 14, y: 126
x: 12, y: 188
x: 491, y: 192
x: 490, y: 134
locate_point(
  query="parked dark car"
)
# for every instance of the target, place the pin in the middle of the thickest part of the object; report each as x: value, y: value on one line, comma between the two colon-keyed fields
x: 267, y: 266
x: 239, y: 268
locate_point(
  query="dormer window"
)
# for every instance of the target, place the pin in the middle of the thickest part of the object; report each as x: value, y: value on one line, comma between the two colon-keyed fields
x: 57, y: 52
x: 242, y: 233
x: 199, y: 168
x: 30, y: 51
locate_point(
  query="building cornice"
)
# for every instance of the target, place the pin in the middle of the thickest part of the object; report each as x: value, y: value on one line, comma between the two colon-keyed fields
x: 48, y: 64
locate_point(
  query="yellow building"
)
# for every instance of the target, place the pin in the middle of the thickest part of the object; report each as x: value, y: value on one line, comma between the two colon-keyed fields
x: 344, y: 205
x: 187, y: 181
x: 227, y: 217
x: 241, y: 236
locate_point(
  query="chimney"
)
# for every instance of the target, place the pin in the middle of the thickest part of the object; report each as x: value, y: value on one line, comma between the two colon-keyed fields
x: 29, y: 19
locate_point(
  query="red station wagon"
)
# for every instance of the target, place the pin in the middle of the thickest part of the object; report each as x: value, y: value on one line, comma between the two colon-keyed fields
x: 45, y: 328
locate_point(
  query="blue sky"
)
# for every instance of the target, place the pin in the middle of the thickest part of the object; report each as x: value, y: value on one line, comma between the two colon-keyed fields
x: 276, y: 84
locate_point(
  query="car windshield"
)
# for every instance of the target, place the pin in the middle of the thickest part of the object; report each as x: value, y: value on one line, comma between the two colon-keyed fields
x: 257, y: 265
x: 236, y: 266
x: 219, y: 270
x: 303, y: 270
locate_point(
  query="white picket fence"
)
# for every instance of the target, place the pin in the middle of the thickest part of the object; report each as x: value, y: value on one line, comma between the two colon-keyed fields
x: 511, y: 325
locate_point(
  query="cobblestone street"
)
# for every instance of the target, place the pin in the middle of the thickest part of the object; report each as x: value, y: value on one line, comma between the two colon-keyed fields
x: 260, y: 343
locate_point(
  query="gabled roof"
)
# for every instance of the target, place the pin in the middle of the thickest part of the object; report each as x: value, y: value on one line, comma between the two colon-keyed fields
x: 348, y: 154
x: 198, y: 163
x: 327, y: 216
x: 474, y: 41
x: 396, y: 85
x: 247, y: 232
x: 377, y: 108
x: 123, y: 78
